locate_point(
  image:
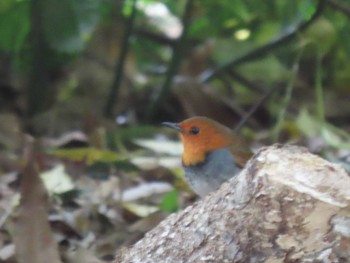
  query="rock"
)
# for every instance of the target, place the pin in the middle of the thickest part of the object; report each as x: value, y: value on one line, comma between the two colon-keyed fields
x: 287, y: 205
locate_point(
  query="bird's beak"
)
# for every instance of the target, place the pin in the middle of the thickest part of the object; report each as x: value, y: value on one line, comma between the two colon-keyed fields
x: 173, y: 125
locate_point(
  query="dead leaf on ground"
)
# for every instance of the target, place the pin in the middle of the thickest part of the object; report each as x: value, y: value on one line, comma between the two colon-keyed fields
x: 32, y: 234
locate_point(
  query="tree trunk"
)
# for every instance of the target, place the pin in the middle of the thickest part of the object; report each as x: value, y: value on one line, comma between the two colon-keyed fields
x: 287, y: 205
x: 39, y: 89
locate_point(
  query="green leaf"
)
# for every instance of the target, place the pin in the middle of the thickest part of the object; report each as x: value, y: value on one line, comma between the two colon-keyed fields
x: 307, y: 124
x: 170, y: 202
x: 88, y: 155
x: 332, y: 135
x: 134, y: 132
x: 126, y: 166
x: 127, y: 7
x: 14, y: 24
x: 335, y: 137
x: 69, y: 23
x: 319, y: 38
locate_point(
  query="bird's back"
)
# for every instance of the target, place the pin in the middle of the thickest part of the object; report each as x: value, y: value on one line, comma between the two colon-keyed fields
x: 240, y: 150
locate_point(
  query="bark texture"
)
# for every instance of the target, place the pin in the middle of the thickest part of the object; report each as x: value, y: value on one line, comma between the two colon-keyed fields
x: 287, y: 205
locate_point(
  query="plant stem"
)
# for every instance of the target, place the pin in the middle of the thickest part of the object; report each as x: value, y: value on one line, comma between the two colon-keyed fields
x: 119, y: 69
x: 287, y: 97
x: 174, y: 63
x: 38, y: 89
x: 319, y: 89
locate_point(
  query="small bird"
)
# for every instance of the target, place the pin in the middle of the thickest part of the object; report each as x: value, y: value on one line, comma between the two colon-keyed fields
x: 212, y: 153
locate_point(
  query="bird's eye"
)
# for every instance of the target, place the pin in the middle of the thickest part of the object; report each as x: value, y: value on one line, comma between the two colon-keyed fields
x: 194, y: 130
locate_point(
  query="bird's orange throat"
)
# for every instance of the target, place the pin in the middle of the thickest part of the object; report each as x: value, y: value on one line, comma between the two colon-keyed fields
x: 196, y: 151
x: 192, y: 158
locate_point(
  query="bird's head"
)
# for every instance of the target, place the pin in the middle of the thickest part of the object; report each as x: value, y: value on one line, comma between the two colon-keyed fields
x: 200, y: 136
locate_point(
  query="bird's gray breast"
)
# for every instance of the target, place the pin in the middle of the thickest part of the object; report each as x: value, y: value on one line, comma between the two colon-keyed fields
x: 208, y: 176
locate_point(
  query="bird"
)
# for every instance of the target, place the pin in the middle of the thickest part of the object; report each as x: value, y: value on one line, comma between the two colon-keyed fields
x: 212, y: 153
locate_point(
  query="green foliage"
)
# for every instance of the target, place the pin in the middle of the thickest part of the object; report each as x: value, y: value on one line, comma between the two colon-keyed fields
x: 232, y: 16
x: 68, y: 26
x: 308, y: 74
x: 126, y: 166
x: 87, y: 155
x: 319, y: 38
x: 170, y: 202
x: 101, y: 168
x: 69, y: 23
x: 130, y: 133
x: 14, y: 25
x: 333, y: 136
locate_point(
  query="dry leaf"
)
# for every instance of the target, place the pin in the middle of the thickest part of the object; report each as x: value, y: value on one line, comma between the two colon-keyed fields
x: 32, y: 235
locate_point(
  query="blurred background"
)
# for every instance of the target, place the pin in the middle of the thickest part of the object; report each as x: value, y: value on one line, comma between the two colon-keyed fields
x: 84, y: 85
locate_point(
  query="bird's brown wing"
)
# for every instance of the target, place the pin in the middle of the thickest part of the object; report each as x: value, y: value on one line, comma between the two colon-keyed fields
x: 240, y: 150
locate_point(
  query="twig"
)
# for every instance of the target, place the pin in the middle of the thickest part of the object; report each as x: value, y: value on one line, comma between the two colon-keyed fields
x: 175, y: 61
x: 319, y: 89
x: 263, y: 50
x: 230, y: 103
x: 287, y: 97
x: 244, y: 81
x: 340, y: 6
x: 255, y: 107
x: 120, y: 65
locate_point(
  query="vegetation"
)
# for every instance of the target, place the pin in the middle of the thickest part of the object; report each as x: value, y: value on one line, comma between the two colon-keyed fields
x: 90, y: 81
